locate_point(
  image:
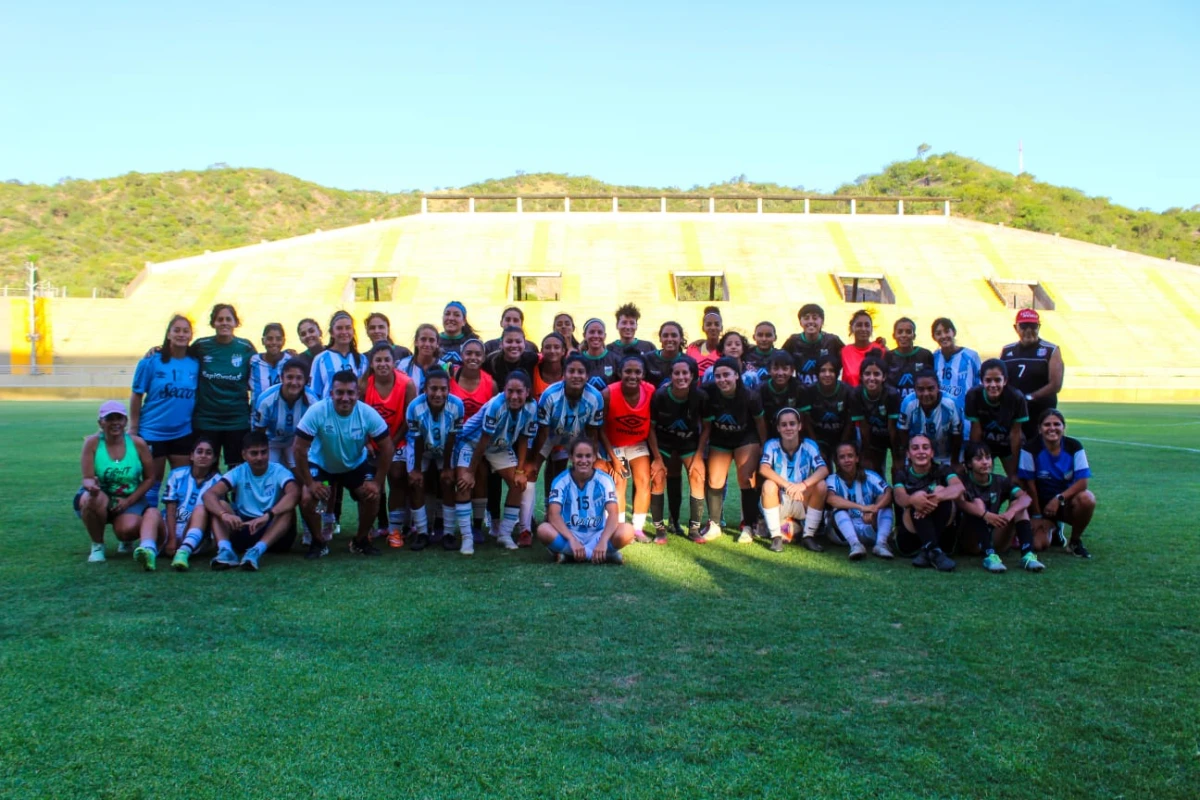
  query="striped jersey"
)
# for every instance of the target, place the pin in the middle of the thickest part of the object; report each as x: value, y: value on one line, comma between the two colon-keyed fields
x: 186, y: 492
x: 264, y: 375
x: 865, y: 492
x: 566, y: 419
x: 277, y: 417
x: 793, y: 467
x: 504, y: 425
x: 583, y: 507
x: 434, y: 429
x: 957, y: 374
x: 940, y: 424
x: 330, y: 362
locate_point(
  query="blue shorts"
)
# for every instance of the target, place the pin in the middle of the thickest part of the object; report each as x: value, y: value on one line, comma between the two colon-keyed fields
x: 137, y: 509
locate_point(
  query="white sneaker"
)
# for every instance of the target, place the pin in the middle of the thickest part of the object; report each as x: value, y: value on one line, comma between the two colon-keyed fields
x: 97, y: 554
x: 881, y: 549
x: 124, y: 548
x: 506, y: 541
x: 468, y: 545
x: 713, y: 532
x: 744, y: 537
x: 857, y: 551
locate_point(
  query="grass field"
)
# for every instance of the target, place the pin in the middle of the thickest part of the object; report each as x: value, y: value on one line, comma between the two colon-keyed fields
x: 691, y: 672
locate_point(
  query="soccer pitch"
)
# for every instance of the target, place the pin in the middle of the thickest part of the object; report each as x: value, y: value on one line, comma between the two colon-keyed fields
x: 690, y: 672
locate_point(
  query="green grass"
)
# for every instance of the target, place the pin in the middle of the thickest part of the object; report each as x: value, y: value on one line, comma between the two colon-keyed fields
x: 691, y: 672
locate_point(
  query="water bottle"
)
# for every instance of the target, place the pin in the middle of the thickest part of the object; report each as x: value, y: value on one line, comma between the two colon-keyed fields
x: 327, y: 519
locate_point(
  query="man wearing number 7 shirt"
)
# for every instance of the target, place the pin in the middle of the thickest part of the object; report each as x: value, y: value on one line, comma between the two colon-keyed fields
x: 1035, y: 368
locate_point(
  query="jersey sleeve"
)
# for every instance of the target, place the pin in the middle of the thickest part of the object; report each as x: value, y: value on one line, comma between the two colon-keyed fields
x: 544, y: 408
x: 531, y: 422
x: 261, y: 418
x: 309, y: 422
x: 876, y: 483
x: 814, y: 453
x: 769, y: 451
x: 460, y: 411
x: 597, y: 416
x: 142, y: 376
x: 1080, y: 466
x: 905, y: 419
x: 171, y: 493
x: 491, y: 417
x: 1026, y: 466
x: 412, y: 419
x: 555, y: 497
x: 610, y: 490
x: 318, y: 380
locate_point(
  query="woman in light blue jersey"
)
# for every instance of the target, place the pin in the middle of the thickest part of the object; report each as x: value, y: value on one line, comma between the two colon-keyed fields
x: 957, y: 368
x: 582, y: 522
x: 266, y: 367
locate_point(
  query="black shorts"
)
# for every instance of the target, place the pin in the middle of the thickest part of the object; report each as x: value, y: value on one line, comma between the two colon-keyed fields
x: 729, y: 442
x: 352, y: 480
x: 670, y: 447
x: 228, y: 441
x: 173, y: 447
x: 909, y: 543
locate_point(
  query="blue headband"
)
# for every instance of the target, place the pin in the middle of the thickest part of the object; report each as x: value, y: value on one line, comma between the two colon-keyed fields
x: 459, y: 306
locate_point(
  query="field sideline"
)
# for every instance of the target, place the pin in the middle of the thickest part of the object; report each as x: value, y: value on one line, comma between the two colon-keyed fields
x: 691, y: 672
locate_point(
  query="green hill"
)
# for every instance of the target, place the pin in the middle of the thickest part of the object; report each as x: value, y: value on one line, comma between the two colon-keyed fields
x: 98, y: 234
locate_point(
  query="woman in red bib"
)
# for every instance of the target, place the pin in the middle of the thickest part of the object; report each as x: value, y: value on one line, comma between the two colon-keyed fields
x: 389, y: 392
x: 629, y: 440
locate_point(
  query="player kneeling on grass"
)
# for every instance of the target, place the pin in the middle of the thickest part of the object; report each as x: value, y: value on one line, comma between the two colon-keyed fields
x: 862, y: 504
x: 983, y: 528
x: 260, y: 516
x: 118, y: 470
x: 793, y: 472
x: 331, y: 447
x: 582, y: 521
x: 186, y: 518
x: 1054, y: 471
x: 926, y: 491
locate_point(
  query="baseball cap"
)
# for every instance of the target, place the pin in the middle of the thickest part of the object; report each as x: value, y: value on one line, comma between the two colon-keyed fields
x: 1028, y: 315
x: 112, y: 407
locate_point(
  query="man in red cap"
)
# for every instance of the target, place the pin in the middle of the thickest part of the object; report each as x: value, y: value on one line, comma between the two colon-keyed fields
x: 1035, y: 368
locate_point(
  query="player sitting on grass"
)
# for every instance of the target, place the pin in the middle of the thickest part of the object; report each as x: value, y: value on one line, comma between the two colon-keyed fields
x: 862, y: 504
x: 926, y: 491
x: 582, y: 523
x: 118, y: 470
x: 1054, y: 471
x: 983, y: 529
x: 793, y: 483
x: 260, y: 515
x: 186, y: 519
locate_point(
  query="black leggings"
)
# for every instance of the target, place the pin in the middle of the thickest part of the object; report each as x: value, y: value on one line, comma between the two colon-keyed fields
x: 931, y: 531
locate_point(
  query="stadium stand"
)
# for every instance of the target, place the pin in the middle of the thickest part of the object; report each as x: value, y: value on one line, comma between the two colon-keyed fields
x: 1126, y: 322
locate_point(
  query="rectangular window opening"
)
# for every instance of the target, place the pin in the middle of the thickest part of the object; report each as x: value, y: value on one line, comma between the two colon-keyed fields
x: 373, y: 288
x: 700, y: 287
x: 1022, y: 294
x: 865, y: 289
x: 535, y: 287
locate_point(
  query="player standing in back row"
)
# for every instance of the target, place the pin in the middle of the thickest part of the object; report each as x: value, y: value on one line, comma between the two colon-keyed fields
x: 1035, y: 368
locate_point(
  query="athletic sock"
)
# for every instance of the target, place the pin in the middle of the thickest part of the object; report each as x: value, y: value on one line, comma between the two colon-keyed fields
x: 845, y: 526
x: 560, y: 545
x: 258, y: 549
x: 812, y: 520
x: 224, y: 547
x: 462, y: 515
x: 398, y: 519
x: 883, y: 526
x: 716, y: 504
x: 639, y: 522
x: 149, y: 544
x: 509, y: 521
x: 527, y: 507
x: 695, y: 510
x: 749, y: 506
x: 771, y: 517
x: 1025, y: 535
x: 674, y: 496
x: 987, y: 539
x: 420, y: 519
x: 656, y: 508
x: 478, y: 506
x: 192, y: 539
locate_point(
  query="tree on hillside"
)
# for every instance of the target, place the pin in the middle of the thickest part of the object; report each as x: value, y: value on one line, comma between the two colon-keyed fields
x: 922, y: 150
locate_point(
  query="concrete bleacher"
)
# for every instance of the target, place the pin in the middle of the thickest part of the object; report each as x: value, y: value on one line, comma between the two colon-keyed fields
x: 1126, y: 322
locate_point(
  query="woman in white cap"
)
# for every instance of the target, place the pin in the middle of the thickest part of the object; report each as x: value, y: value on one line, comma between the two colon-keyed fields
x: 1035, y: 368
x: 117, y: 470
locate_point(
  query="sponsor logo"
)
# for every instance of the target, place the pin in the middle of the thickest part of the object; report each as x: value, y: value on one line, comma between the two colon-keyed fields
x: 175, y: 393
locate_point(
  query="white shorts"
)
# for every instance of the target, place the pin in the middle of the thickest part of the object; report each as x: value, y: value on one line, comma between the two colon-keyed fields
x: 283, y: 454
x: 631, y: 451
x: 498, y: 458
x: 790, y: 509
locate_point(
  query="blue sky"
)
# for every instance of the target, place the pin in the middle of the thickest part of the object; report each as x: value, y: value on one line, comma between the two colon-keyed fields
x: 398, y: 96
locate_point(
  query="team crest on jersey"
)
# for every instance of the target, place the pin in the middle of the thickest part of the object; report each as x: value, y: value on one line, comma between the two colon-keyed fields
x: 236, y: 361
x: 608, y: 370
x: 1041, y: 352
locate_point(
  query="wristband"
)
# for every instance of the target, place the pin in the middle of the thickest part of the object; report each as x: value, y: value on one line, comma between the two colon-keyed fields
x: 1035, y: 516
